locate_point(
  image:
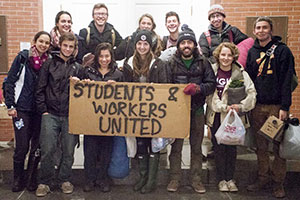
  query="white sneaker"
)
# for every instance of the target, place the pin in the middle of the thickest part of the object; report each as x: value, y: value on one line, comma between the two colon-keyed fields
x: 67, y: 187
x: 42, y: 190
x: 223, y: 186
x: 232, y: 186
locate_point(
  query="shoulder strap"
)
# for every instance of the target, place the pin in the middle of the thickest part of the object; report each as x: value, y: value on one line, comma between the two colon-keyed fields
x: 208, y: 38
x: 113, y: 37
x: 165, y: 41
x: 88, y: 35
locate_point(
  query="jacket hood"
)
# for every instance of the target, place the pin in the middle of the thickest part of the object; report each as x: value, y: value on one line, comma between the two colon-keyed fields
x: 225, y: 28
x: 107, y: 27
x: 275, y: 39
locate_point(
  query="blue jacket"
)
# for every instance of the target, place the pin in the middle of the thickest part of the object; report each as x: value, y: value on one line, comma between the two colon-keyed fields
x: 20, y: 90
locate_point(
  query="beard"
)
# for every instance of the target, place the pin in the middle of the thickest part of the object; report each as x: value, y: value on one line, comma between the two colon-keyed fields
x: 185, y: 54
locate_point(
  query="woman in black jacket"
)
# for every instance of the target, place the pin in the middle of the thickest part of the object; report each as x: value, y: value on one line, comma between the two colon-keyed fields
x: 20, y: 101
x: 103, y: 69
x: 143, y: 67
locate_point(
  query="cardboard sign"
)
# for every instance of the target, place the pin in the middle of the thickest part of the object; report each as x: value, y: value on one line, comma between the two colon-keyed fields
x: 129, y: 109
x: 272, y: 129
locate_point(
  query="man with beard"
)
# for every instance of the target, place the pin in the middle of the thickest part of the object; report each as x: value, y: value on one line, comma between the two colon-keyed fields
x: 272, y: 76
x: 98, y: 31
x: 172, y: 24
x: 218, y: 31
x: 52, y: 100
x: 187, y: 66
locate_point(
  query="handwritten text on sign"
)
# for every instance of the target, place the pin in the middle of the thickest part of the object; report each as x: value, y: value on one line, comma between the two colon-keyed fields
x: 129, y: 109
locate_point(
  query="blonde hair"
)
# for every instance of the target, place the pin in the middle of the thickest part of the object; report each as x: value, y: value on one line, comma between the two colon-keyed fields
x: 233, y: 48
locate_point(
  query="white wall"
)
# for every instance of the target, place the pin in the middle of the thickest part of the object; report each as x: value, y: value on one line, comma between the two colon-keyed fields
x: 124, y: 14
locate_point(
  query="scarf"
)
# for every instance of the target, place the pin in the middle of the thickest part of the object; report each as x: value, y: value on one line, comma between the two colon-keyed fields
x: 55, y: 35
x: 35, y: 59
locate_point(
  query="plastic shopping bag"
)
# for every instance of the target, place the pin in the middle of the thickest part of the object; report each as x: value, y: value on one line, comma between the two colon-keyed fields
x: 232, y: 130
x: 158, y: 144
x: 119, y: 164
x: 290, y: 146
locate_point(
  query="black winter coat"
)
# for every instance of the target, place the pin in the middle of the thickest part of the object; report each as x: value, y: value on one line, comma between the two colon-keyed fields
x: 157, y: 71
x: 52, y: 94
x: 217, y: 38
x: 273, y: 86
x: 200, y: 73
x: 93, y: 74
x: 20, y: 90
x: 97, y: 38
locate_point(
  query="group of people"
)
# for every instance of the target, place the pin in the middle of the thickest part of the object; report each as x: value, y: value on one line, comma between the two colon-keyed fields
x: 37, y: 97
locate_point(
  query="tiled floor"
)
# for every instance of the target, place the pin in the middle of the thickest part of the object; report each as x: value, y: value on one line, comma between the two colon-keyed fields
x: 245, y: 171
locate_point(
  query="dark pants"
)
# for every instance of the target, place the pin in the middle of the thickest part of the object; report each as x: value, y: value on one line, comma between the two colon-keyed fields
x: 143, y: 146
x: 27, y: 133
x: 97, y: 150
x: 54, y: 128
x: 196, y: 137
x: 225, y: 155
x: 278, y: 170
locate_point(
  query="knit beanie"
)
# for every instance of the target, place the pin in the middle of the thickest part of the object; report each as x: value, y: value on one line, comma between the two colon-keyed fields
x: 216, y: 8
x: 144, y: 35
x: 186, y: 34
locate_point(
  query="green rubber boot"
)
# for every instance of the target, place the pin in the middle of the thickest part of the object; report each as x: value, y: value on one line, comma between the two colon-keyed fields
x: 143, y: 171
x: 152, y: 175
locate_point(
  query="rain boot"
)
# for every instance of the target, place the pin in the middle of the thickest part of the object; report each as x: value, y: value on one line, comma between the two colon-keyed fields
x: 32, y: 166
x: 18, y: 184
x: 152, y: 175
x: 143, y: 171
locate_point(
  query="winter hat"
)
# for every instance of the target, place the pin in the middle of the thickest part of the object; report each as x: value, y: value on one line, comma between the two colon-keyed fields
x: 186, y: 34
x: 216, y: 8
x: 144, y: 35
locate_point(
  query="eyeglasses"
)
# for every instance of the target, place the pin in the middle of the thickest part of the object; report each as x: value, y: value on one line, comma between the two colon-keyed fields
x: 101, y: 14
x: 217, y: 15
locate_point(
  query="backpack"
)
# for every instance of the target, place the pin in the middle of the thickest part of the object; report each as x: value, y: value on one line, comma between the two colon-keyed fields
x: 88, y: 36
x: 22, y: 63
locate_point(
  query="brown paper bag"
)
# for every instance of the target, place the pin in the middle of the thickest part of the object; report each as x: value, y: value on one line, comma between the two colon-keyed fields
x: 272, y: 129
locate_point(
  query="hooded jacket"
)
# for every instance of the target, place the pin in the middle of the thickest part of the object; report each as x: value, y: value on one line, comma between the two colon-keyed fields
x: 52, y: 94
x: 20, y: 90
x: 273, y: 86
x: 200, y: 73
x: 217, y: 105
x: 217, y: 38
x: 97, y: 38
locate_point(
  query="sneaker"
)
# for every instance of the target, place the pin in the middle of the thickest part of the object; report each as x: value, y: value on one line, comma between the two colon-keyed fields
x: 278, y: 191
x: 67, y: 187
x: 173, y: 186
x: 232, y: 186
x: 198, y: 187
x: 42, y: 190
x: 223, y: 187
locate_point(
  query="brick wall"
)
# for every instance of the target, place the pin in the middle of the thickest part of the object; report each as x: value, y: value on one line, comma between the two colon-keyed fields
x: 237, y: 11
x: 24, y: 19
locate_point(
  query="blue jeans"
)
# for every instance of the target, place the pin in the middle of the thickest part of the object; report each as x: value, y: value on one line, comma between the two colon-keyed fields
x: 54, y: 128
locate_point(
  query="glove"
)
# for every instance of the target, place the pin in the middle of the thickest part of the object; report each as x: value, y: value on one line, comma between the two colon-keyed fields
x: 191, y: 89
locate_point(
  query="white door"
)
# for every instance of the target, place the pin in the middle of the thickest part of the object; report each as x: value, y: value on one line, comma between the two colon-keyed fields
x: 124, y: 15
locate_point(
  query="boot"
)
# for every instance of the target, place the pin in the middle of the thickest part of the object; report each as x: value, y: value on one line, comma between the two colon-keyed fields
x: 143, y: 170
x: 33, y: 163
x: 18, y: 177
x: 152, y: 175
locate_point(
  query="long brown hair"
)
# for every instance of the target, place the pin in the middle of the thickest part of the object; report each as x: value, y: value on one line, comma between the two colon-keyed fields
x: 140, y: 66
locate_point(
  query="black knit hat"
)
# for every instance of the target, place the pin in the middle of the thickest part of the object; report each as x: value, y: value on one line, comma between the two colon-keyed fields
x: 144, y: 35
x: 186, y: 34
